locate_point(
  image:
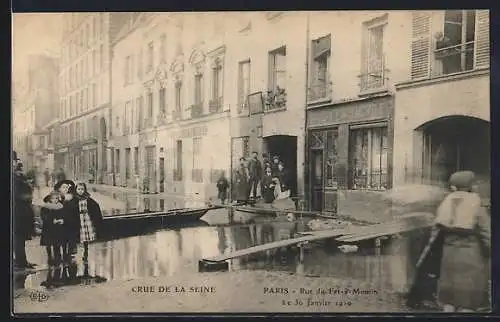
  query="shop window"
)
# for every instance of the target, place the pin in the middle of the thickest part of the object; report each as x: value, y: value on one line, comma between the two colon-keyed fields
x: 368, y: 158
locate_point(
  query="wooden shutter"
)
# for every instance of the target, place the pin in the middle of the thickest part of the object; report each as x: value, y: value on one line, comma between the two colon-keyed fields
x: 421, y: 44
x: 482, y: 44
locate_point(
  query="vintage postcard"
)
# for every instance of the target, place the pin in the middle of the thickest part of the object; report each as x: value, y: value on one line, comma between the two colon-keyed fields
x: 251, y: 162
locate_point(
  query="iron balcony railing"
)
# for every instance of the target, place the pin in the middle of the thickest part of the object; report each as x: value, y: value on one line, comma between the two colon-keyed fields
x: 196, y: 110
x: 375, y: 75
x: 161, y: 118
x: 320, y: 91
x: 215, y: 105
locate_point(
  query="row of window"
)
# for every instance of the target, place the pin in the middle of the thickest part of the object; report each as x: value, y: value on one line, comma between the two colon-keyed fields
x: 87, y: 67
x: 86, y: 35
x: 132, y: 161
x: 77, y: 131
x: 136, y: 65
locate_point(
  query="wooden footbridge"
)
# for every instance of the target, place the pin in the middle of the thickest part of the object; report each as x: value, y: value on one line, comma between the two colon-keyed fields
x: 350, y: 234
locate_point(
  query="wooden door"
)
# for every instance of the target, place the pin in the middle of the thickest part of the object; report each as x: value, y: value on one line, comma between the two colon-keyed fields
x: 316, y: 179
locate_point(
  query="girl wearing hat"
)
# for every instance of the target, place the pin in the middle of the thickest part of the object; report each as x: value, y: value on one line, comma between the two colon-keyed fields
x: 71, y: 219
x: 52, y: 236
x: 465, y: 226
x: 90, y: 218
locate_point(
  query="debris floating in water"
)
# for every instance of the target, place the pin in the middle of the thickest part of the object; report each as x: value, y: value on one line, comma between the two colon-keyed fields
x: 348, y: 248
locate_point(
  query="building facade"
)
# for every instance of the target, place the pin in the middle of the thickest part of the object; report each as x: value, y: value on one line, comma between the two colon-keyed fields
x: 442, y: 119
x: 33, y: 110
x: 350, y: 106
x: 85, y: 92
x: 170, y: 119
x: 266, y: 73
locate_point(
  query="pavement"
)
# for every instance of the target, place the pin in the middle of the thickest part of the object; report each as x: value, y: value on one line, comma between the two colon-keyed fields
x: 223, y: 292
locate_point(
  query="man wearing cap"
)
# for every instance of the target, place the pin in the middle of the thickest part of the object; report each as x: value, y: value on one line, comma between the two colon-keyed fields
x: 24, y: 216
x: 465, y: 226
x: 255, y: 173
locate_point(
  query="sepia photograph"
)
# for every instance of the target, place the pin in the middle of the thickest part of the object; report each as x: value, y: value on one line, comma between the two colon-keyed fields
x: 251, y: 162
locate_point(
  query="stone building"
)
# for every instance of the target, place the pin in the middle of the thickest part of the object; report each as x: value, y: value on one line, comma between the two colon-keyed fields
x: 85, y: 91
x: 442, y: 119
x: 170, y: 118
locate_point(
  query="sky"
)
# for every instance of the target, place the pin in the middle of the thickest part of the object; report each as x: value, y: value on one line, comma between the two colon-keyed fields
x: 33, y: 33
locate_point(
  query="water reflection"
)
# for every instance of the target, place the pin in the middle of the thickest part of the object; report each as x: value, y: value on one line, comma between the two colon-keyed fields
x: 128, y: 202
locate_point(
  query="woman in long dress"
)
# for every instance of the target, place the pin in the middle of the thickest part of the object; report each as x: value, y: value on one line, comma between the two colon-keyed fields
x: 463, y: 229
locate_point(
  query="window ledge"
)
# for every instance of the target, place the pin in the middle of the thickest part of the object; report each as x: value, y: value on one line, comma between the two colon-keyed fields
x: 443, y: 78
x: 376, y: 91
x: 275, y: 110
x: 320, y: 101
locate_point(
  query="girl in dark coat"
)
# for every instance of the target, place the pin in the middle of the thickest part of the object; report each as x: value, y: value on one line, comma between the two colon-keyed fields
x: 90, y: 218
x: 52, y: 236
x: 71, y: 218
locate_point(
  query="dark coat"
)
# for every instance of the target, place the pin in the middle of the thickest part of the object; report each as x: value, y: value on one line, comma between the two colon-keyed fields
x: 274, y: 169
x: 24, y: 216
x: 284, y: 179
x: 241, y: 184
x: 254, y: 169
x: 222, y: 184
x: 71, y: 221
x: 267, y: 189
x: 52, y: 234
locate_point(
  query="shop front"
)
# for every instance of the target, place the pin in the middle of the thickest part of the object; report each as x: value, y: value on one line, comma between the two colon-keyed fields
x: 349, y: 154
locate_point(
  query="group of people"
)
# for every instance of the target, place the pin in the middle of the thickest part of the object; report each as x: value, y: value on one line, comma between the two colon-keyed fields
x: 69, y: 217
x: 270, y: 176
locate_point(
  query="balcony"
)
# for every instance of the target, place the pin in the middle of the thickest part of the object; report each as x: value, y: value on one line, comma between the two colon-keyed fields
x: 243, y: 108
x: 453, y: 58
x: 196, y: 110
x: 215, y: 105
x: 374, y: 78
x: 320, y: 92
x: 161, y: 118
x: 275, y: 99
x: 176, y: 115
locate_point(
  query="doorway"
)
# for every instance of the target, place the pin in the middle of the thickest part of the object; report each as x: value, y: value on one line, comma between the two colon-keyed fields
x: 150, y: 169
x: 316, y: 180
x: 285, y: 147
x: 453, y: 144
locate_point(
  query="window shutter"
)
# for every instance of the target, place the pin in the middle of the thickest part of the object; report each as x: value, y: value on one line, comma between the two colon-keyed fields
x: 482, y: 44
x: 421, y: 44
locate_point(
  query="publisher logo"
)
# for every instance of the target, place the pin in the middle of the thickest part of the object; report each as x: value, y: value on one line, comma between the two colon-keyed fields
x: 37, y: 296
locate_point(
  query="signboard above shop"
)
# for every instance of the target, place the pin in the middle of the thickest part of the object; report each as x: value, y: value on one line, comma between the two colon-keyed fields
x: 256, y: 103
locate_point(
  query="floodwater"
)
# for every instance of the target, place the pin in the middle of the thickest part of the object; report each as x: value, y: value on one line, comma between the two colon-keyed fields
x: 168, y: 251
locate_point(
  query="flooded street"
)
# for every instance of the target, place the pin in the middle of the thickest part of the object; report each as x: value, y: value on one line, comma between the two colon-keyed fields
x: 167, y: 252
x: 161, y: 252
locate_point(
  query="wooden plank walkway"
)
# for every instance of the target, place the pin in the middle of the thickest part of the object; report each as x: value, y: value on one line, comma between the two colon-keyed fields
x: 350, y: 231
x: 417, y: 222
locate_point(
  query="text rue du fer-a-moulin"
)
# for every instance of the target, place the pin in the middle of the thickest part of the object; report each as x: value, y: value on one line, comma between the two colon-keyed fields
x: 318, y: 297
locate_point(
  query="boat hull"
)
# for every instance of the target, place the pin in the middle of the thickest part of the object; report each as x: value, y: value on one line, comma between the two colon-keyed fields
x: 143, y: 223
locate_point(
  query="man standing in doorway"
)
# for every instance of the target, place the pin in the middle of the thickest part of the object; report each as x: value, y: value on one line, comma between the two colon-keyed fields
x: 255, y: 173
